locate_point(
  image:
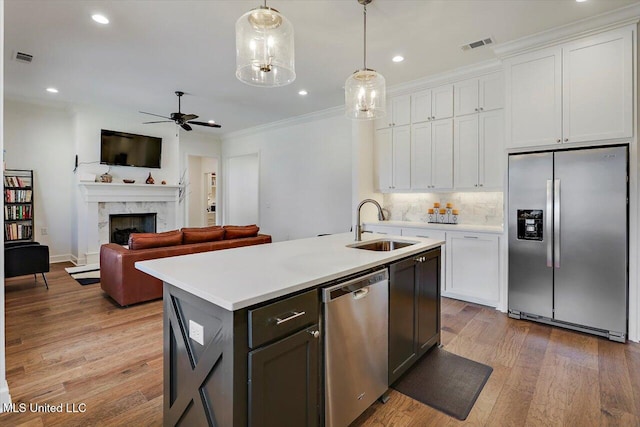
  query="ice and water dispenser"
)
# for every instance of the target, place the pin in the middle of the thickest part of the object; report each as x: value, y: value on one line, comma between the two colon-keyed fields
x: 529, y: 224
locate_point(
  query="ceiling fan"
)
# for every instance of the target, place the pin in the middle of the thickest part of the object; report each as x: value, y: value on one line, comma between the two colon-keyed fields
x: 181, y: 119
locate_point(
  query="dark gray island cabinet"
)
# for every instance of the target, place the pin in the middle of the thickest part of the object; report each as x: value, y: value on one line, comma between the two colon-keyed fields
x: 248, y: 352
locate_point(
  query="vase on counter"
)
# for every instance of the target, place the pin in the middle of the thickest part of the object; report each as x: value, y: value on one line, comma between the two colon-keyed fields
x: 149, y: 179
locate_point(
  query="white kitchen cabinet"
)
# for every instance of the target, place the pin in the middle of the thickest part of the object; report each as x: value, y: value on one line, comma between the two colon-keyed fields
x: 432, y: 104
x: 473, y: 267
x: 485, y: 93
x: 432, y: 155
x: 479, y: 151
x: 398, y: 112
x: 576, y: 92
x: 392, y: 153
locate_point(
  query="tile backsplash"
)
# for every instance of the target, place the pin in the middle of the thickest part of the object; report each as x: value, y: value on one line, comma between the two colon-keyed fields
x: 475, y: 208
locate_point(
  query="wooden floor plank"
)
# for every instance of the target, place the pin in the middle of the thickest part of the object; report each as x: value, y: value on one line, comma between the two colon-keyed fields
x: 73, y: 344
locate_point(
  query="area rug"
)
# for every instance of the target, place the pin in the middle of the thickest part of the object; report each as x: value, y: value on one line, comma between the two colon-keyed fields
x: 446, y: 382
x: 85, y: 274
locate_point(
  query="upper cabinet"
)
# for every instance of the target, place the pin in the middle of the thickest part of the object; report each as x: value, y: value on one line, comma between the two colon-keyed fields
x: 392, y: 156
x: 398, y: 112
x: 432, y: 155
x: 432, y: 104
x: 476, y: 95
x: 577, y: 92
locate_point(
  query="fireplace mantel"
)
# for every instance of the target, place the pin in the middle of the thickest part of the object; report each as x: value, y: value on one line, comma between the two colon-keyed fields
x: 115, y: 192
x: 97, y: 200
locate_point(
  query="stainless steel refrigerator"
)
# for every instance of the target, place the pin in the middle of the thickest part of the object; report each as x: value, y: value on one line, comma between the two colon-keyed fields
x: 568, y: 239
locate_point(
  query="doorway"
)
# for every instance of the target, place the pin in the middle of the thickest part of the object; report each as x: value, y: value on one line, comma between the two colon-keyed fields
x: 201, y: 199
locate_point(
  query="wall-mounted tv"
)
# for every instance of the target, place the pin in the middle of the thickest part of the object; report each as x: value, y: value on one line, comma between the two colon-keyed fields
x: 128, y: 149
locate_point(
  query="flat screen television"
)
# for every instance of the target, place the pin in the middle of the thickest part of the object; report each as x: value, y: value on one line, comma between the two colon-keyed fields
x: 128, y: 149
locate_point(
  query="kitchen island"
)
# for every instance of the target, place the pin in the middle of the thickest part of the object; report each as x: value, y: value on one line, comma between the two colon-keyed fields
x: 243, y: 325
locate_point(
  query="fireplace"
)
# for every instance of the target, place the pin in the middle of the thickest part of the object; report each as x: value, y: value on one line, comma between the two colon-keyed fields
x: 121, y: 225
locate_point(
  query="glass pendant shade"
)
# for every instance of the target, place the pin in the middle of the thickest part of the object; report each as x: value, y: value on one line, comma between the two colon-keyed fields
x: 264, y: 48
x: 365, y: 95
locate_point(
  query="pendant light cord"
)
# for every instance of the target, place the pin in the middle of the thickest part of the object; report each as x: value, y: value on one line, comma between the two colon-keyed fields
x: 365, y: 36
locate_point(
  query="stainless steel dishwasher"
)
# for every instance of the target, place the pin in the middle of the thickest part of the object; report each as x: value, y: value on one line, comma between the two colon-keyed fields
x: 356, y: 316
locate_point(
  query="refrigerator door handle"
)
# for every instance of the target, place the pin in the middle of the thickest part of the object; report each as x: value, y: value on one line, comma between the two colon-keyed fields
x: 548, y: 223
x: 556, y: 222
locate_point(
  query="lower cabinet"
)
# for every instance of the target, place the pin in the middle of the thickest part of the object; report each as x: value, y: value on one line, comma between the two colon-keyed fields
x: 414, y: 310
x: 473, y: 267
x: 283, y: 382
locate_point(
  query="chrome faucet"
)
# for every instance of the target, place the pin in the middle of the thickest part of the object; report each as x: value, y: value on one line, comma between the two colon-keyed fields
x: 358, y: 226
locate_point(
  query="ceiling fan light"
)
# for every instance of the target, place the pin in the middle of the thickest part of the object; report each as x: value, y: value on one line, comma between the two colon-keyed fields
x: 365, y: 95
x: 264, y: 48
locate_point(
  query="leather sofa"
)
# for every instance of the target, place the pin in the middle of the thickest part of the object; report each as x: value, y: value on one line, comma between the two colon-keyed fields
x: 126, y: 285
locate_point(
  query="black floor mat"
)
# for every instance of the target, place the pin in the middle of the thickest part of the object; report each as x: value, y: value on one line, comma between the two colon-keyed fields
x: 446, y: 382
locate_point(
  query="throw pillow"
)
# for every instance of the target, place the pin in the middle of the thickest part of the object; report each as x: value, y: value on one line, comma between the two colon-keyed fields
x: 203, y: 234
x: 240, y: 231
x: 154, y: 240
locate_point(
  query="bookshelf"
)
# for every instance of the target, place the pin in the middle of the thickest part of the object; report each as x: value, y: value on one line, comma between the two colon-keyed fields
x: 18, y: 205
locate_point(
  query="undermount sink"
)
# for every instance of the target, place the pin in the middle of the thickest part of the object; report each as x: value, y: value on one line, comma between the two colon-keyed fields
x: 384, y: 245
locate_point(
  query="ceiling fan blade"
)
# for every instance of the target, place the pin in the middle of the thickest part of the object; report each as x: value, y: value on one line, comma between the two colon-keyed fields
x: 161, y: 121
x: 185, y: 126
x: 211, y: 125
x: 187, y: 117
x: 157, y: 115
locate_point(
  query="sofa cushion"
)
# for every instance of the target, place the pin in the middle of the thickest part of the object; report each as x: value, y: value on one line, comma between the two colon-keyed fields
x: 154, y: 240
x: 202, y: 234
x: 240, y: 231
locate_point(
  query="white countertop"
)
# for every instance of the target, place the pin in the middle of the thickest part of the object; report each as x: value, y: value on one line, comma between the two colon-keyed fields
x: 240, y: 277
x: 444, y: 227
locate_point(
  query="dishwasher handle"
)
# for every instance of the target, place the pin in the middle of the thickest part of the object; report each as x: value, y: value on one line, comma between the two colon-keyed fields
x: 354, y: 285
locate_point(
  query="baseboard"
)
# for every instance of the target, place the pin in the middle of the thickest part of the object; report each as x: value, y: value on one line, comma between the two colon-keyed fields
x: 60, y: 258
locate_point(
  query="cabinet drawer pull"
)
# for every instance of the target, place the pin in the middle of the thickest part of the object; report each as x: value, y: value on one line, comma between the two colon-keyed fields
x: 558, y: 140
x: 314, y: 334
x: 295, y: 314
x: 470, y: 237
x: 566, y: 139
x: 424, y: 237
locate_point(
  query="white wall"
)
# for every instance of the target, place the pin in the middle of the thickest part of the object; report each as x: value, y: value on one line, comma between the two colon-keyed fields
x: 40, y: 137
x: 305, y: 175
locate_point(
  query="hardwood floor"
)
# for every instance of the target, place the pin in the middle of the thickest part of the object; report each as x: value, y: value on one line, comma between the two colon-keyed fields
x: 72, y: 344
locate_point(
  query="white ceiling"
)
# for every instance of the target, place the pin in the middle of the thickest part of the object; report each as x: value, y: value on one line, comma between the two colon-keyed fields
x: 153, y: 48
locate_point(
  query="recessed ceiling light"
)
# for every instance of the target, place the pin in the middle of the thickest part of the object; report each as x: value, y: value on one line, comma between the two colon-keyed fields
x: 52, y: 90
x: 212, y: 122
x: 100, y: 19
x: 581, y: 1
x: 398, y: 58
x: 302, y: 92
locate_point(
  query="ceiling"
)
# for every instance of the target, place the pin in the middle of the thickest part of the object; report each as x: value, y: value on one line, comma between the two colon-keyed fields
x: 152, y: 48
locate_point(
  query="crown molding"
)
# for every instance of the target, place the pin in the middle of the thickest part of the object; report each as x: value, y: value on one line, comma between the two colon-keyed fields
x: 628, y: 15
x: 291, y: 121
x: 446, y: 77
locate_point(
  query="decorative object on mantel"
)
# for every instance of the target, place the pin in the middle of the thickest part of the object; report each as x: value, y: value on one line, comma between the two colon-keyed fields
x: 105, y: 177
x: 446, y: 215
x: 150, y: 179
x: 264, y: 48
x: 365, y: 89
x: 128, y: 181
x: 163, y: 182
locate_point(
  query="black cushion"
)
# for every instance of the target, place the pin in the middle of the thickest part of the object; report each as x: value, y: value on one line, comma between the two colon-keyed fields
x: 25, y: 258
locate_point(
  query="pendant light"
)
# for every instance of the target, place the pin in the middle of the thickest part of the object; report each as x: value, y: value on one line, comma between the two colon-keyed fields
x: 365, y: 89
x: 264, y: 48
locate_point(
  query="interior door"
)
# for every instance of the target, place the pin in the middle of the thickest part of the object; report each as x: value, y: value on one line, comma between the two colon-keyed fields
x: 591, y: 264
x: 530, y: 267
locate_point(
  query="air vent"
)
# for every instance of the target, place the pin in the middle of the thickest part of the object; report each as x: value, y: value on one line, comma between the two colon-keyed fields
x: 23, y: 57
x: 476, y: 44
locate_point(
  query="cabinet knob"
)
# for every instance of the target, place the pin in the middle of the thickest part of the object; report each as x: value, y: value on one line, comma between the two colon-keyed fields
x: 433, y: 117
x: 481, y: 109
x: 476, y: 109
x: 566, y: 139
x: 475, y: 185
x: 481, y: 185
x: 558, y: 140
x: 315, y: 334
